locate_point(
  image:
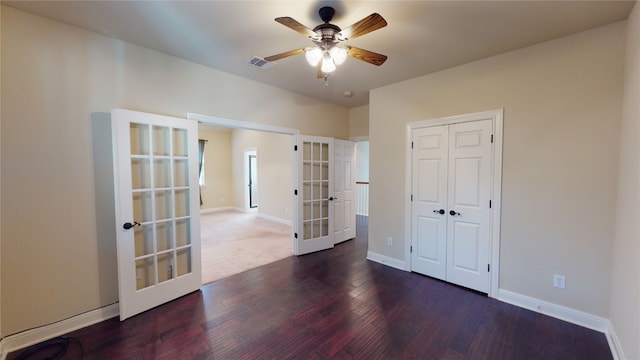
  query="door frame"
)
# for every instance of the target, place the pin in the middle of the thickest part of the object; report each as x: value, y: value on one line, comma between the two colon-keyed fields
x: 247, y: 125
x: 247, y: 177
x: 496, y: 185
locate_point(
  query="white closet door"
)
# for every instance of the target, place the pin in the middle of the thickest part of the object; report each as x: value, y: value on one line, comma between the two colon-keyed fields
x: 451, y: 187
x: 469, y: 184
x: 429, y: 207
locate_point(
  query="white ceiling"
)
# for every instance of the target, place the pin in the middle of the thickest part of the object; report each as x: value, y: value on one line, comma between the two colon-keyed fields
x: 422, y: 36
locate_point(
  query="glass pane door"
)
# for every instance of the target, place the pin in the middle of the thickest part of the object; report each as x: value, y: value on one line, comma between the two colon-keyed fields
x: 158, y: 209
x: 317, y: 186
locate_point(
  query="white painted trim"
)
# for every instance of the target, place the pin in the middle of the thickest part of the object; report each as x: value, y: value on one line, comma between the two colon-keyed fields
x: 496, y: 188
x: 239, y: 124
x: 573, y: 316
x: 554, y: 310
x: 43, y: 333
x: 245, y: 170
x: 389, y: 261
x: 218, y: 209
x: 275, y: 219
x: 359, y: 138
x: 614, y: 344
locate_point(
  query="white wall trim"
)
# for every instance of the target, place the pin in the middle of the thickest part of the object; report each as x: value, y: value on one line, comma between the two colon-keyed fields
x: 614, y: 344
x: 573, y: 316
x: 43, y: 333
x: 389, y: 261
x: 218, y: 209
x: 554, y: 310
x: 359, y: 138
x: 275, y: 219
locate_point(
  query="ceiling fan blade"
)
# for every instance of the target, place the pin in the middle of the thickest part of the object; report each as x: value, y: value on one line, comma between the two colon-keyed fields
x: 296, y: 26
x: 367, y: 56
x: 284, y: 55
x: 370, y: 23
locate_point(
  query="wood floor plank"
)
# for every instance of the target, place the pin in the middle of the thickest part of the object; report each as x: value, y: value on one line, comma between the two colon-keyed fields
x: 335, y: 304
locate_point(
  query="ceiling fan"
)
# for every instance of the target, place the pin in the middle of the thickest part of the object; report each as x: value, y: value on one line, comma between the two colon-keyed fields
x: 328, y: 50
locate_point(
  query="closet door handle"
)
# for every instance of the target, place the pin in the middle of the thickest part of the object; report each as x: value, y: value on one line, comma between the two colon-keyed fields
x: 454, y: 213
x: 441, y: 211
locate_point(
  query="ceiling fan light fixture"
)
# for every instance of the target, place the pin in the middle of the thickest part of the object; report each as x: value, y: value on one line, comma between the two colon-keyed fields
x: 328, y: 66
x: 338, y: 54
x: 313, y: 56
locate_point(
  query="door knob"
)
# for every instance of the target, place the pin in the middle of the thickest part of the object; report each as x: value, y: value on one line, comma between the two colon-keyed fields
x: 441, y: 211
x: 454, y: 213
x: 333, y: 198
x: 129, y: 225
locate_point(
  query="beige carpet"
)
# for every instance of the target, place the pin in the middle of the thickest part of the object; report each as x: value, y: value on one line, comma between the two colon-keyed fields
x: 233, y: 242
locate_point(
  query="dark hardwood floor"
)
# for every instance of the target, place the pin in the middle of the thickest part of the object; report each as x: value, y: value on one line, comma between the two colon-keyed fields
x: 335, y: 304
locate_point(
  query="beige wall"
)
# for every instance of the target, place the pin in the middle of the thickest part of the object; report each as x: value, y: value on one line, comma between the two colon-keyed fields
x: 274, y: 152
x: 625, y: 279
x: 217, y: 166
x: 58, y: 85
x: 562, y: 110
x: 359, y: 122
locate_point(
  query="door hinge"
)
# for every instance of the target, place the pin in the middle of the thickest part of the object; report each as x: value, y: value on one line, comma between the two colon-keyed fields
x: 412, y: 144
x: 295, y: 192
x: 295, y: 235
x: 489, y: 204
x: 295, y: 147
x: 412, y: 197
x: 411, y: 249
x: 488, y: 267
x: 492, y: 138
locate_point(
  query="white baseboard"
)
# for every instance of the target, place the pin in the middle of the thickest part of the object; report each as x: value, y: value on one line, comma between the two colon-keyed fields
x: 554, y: 310
x: 389, y: 261
x: 275, y: 219
x: 34, y: 336
x: 614, y: 344
x: 218, y: 209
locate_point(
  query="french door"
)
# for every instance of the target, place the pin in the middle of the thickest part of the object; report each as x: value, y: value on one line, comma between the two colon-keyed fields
x: 344, y: 205
x: 315, y: 178
x: 157, y: 209
x: 451, y: 210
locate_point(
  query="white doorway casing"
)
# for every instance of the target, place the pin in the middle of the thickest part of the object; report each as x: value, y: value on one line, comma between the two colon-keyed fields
x: 495, y: 117
x: 249, y: 182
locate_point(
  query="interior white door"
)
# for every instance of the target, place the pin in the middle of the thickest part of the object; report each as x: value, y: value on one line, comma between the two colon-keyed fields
x: 451, y: 212
x: 157, y: 209
x: 469, y: 183
x: 344, y: 205
x: 315, y: 166
x: 429, y: 206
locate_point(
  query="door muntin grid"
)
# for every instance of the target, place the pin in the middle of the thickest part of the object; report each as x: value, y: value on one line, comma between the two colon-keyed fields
x: 315, y: 178
x: 160, y: 195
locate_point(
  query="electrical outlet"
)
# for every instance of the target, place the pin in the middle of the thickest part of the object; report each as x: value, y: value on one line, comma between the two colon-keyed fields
x: 389, y: 241
x: 559, y: 281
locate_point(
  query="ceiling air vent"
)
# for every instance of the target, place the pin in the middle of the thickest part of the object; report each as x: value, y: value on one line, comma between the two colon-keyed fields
x: 260, y: 63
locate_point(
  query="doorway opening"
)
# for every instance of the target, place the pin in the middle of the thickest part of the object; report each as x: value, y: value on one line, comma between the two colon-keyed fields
x: 258, y: 206
x: 252, y: 176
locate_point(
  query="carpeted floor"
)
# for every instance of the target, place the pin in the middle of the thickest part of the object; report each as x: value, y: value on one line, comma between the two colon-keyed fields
x: 233, y: 242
